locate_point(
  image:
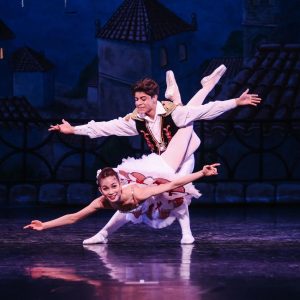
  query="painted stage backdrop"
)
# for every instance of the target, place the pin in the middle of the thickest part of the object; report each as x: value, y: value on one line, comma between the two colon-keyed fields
x: 77, y: 60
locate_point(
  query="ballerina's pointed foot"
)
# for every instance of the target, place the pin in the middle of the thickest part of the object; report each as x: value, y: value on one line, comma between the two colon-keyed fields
x: 172, y: 91
x: 212, y: 79
x: 187, y: 239
x: 96, y: 239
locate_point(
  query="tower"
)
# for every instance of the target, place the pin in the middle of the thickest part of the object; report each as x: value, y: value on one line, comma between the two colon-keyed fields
x: 143, y: 38
x: 260, y: 22
x: 6, y: 47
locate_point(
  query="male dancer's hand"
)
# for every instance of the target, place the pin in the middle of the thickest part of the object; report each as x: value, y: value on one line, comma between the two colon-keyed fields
x: 65, y: 127
x: 248, y: 99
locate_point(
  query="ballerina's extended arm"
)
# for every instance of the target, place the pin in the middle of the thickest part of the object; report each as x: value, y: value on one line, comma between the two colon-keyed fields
x: 69, y: 218
x: 142, y: 193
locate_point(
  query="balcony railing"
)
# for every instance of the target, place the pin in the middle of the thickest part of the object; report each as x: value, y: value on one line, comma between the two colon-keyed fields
x: 264, y: 151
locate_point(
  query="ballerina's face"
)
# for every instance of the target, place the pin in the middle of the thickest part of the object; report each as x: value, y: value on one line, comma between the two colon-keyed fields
x: 110, y: 187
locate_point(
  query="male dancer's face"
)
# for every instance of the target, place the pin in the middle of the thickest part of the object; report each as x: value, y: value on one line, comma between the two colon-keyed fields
x: 145, y: 104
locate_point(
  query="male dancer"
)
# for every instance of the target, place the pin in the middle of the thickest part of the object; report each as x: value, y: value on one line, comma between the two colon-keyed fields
x: 157, y: 122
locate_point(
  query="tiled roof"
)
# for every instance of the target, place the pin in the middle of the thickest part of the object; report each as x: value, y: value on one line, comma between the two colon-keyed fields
x: 274, y: 74
x: 27, y: 60
x: 143, y: 21
x: 17, y: 109
x: 5, y: 32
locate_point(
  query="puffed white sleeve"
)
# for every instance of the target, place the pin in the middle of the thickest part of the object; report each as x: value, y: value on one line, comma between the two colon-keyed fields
x: 184, y: 115
x: 119, y: 127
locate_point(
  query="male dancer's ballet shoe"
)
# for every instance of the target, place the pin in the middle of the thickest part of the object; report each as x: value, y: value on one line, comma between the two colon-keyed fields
x: 96, y: 239
x: 187, y: 239
x: 172, y: 91
x: 211, y: 80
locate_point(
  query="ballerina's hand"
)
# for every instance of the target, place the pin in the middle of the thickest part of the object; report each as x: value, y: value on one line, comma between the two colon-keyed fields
x: 35, y: 225
x: 210, y: 170
x: 65, y: 127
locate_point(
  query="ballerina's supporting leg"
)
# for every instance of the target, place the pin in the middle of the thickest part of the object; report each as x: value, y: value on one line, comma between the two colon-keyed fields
x: 116, y: 221
x: 177, y: 148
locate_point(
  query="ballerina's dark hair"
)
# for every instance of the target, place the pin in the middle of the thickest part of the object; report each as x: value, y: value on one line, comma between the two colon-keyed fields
x: 106, y: 172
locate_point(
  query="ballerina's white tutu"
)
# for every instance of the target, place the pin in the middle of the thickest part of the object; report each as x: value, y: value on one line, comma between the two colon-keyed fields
x: 161, y: 210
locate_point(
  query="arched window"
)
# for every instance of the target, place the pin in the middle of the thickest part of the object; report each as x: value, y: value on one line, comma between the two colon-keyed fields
x: 163, y: 57
x: 182, y: 52
x: 1, y: 53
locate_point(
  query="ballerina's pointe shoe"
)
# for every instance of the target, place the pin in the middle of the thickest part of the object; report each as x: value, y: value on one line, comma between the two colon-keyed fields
x: 172, y: 91
x: 95, y: 239
x: 211, y: 80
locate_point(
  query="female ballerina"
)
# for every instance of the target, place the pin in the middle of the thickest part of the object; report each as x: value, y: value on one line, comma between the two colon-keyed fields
x: 148, y: 198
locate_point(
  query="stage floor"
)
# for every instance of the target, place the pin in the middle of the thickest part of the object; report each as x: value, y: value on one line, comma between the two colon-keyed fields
x: 251, y: 253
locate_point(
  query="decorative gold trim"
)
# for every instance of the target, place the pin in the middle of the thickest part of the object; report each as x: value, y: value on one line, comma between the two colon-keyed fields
x: 169, y: 107
x: 134, y: 116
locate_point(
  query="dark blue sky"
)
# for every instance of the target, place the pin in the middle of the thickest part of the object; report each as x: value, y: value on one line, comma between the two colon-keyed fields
x: 67, y: 36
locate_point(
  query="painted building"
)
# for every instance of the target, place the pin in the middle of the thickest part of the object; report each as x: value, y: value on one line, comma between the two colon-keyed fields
x: 142, y: 39
x: 6, y: 48
x: 33, y: 77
